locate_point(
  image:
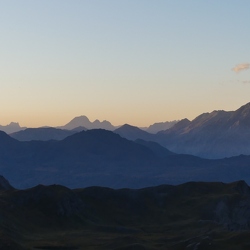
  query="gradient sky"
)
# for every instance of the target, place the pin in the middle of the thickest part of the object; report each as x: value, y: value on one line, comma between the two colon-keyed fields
x: 126, y: 61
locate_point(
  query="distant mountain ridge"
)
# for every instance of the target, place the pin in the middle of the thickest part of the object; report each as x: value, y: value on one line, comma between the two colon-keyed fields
x: 214, y: 135
x: 159, y: 126
x: 132, y: 133
x: 11, y: 128
x: 78, y: 124
x: 42, y: 134
x: 83, y: 121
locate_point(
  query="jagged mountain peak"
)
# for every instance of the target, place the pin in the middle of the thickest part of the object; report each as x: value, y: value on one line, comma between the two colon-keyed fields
x: 14, y: 124
x: 83, y: 121
x: 11, y: 128
x: 215, y: 135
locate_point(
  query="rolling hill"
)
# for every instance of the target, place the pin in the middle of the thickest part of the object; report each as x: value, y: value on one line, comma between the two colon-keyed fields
x: 193, y: 215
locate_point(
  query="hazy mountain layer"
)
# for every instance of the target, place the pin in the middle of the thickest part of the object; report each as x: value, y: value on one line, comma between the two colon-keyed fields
x: 11, y: 128
x: 83, y: 121
x: 217, y: 134
x: 77, y: 124
x: 42, y: 134
x: 132, y: 133
x: 103, y: 158
x: 159, y: 126
x: 213, y: 135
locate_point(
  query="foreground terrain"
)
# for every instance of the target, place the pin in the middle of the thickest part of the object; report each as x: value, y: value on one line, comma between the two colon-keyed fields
x: 193, y: 215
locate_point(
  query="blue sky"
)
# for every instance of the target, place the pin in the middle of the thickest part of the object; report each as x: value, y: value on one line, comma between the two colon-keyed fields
x: 133, y: 61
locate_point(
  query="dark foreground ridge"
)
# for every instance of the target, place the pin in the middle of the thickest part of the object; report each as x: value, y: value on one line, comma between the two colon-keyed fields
x: 194, y: 215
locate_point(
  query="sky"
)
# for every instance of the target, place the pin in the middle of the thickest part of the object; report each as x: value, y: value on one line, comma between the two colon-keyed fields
x: 125, y: 61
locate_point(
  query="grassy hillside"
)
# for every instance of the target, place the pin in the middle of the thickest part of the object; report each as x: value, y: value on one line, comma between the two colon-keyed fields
x: 189, y: 216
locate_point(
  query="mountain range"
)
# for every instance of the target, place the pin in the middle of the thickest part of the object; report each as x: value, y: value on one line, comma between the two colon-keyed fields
x: 103, y: 158
x: 71, y: 180
x: 43, y: 134
x: 193, y: 215
x: 214, y: 135
x: 83, y: 123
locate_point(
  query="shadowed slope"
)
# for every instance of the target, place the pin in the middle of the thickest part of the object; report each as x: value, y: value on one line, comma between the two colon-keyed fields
x: 132, y: 133
x: 211, y: 215
x: 41, y: 134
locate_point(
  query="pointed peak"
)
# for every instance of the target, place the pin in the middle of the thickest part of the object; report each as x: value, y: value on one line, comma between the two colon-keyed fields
x: 126, y: 125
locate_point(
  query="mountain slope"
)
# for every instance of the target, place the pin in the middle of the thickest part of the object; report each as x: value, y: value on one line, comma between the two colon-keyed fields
x: 95, y: 157
x: 159, y: 150
x: 212, y: 135
x: 4, y: 184
x: 193, y: 215
x: 41, y: 134
x: 132, y: 133
x: 103, y: 158
x: 159, y: 126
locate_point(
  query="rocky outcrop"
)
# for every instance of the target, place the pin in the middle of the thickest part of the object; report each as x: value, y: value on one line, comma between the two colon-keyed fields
x: 233, y: 211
